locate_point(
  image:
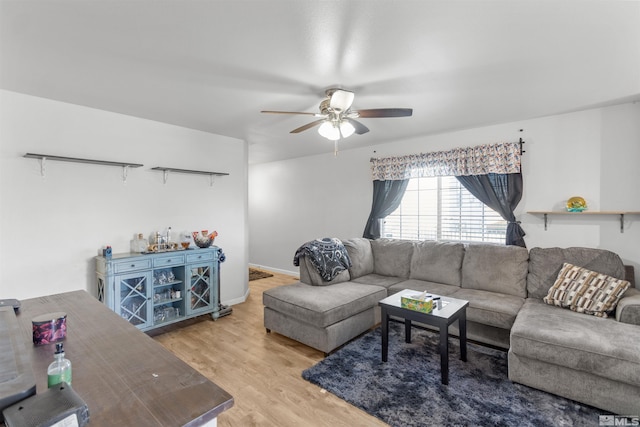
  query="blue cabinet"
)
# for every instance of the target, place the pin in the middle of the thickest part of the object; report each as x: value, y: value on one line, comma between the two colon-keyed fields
x: 153, y: 290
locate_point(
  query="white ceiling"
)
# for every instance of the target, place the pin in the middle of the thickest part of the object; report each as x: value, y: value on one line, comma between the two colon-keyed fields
x: 213, y: 65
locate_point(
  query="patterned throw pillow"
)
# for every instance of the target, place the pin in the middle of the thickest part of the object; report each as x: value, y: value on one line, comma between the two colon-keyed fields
x: 586, y: 291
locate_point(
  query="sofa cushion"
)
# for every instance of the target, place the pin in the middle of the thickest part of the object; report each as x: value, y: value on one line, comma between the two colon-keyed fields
x: 322, y: 306
x: 359, y: 250
x: 490, y: 308
x: 423, y: 285
x: 545, y: 263
x: 378, y: 280
x: 565, y: 338
x: 392, y: 257
x: 495, y: 268
x: 586, y: 291
x: 439, y: 262
x: 309, y: 274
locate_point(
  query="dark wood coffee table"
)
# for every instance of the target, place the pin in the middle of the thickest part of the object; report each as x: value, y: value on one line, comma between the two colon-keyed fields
x: 452, y: 309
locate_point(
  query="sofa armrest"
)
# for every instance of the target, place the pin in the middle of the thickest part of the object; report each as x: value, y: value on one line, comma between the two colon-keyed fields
x: 628, y: 309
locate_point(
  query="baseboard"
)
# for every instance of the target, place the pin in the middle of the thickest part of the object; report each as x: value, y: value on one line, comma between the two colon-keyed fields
x: 237, y: 300
x: 276, y: 270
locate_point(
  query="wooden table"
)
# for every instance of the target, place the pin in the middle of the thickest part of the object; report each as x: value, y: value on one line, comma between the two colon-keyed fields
x: 124, y: 376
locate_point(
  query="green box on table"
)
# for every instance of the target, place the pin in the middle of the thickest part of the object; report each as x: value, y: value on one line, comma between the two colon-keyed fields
x: 417, y: 302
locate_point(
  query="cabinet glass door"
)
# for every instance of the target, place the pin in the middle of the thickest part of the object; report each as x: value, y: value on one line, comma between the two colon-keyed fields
x: 200, y: 295
x: 168, y: 294
x: 132, y: 293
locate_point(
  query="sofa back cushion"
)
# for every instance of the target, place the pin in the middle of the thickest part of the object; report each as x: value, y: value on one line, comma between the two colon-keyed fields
x: 496, y: 268
x: 310, y: 275
x: 392, y: 257
x: 545, y: 264
x: 359, y: 250
x: 439, y: 262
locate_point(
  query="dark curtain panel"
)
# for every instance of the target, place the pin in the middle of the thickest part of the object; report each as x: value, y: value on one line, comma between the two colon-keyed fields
x: 502, y: 193
x: 387, y: 196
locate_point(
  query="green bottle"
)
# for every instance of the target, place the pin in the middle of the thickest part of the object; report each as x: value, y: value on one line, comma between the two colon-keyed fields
x: 60, y: 369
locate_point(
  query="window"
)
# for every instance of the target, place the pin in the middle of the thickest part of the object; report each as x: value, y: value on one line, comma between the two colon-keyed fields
x: 440, y: 208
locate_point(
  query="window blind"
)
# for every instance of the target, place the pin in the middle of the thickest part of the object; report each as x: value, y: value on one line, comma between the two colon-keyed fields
x: 440, y: 208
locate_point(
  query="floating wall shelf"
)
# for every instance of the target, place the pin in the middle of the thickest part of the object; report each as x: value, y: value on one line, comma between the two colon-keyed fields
x: 188, y: 171
x: 44, y: 157
x: 621, y: 213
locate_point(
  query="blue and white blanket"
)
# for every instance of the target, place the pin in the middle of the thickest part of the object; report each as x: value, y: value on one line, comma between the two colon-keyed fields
x: 328, y: 256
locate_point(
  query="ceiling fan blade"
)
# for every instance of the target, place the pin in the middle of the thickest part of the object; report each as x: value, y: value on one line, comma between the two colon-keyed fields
x: 360, y: 128
x: 385, y: 112
x: 307, y: 126
x: 290, y: 112
x: 341, y: 100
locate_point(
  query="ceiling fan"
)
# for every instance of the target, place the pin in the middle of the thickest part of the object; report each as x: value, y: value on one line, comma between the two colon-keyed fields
x: 338, y: 120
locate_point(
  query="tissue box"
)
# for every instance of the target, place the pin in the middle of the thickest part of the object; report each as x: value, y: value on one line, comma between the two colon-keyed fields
x: 412, y: 302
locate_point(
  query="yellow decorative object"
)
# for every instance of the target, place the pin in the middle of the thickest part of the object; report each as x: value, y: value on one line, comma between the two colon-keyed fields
x: 576, y: 204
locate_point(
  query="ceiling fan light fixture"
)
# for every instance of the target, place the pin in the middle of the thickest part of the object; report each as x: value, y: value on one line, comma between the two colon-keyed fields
x: 329, y: 131
x: 346, y: 129
x: 340, y: 100
x: 338, y: 119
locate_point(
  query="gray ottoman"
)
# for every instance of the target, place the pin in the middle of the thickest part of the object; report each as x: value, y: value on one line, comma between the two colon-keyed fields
x: 322, y: 317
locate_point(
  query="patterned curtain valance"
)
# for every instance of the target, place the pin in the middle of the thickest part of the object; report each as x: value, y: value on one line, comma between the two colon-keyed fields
x: 479, y: 160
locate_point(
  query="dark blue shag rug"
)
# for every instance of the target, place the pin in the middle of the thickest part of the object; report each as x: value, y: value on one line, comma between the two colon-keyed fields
x: 406, y: 391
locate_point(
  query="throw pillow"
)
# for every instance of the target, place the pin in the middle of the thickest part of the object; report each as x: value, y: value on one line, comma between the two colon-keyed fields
x: 586, y: 291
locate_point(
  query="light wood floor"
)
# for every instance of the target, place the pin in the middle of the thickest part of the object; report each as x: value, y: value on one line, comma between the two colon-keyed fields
x: 261, y: 371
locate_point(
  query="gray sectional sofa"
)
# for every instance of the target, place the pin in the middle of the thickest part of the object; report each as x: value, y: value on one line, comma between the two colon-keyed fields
x: 589, y: 359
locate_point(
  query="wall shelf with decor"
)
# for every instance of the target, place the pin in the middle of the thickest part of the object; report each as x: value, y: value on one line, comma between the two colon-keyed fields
x: 166, y: 171
x: 587, y: 213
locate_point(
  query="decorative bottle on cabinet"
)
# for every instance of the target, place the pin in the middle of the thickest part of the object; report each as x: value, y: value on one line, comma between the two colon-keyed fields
x: 139, y: 244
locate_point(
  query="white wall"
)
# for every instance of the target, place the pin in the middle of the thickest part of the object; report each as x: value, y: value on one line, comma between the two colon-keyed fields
x: 298, y: 200
x: 51, y: 227
x: 594, y: 154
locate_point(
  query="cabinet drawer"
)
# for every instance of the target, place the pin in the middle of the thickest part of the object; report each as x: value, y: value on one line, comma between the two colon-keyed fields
x: 207, y: 256
x: 168, y: 261
x: 138, y: 264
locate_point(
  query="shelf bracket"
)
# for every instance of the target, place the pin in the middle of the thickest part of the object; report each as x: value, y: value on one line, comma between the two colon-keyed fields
x: 622, y: 223
x: 212, y: 179
x: 545, y: 222
x: 165, y: 176
x: 42, y: 166
x: 125, y: 173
